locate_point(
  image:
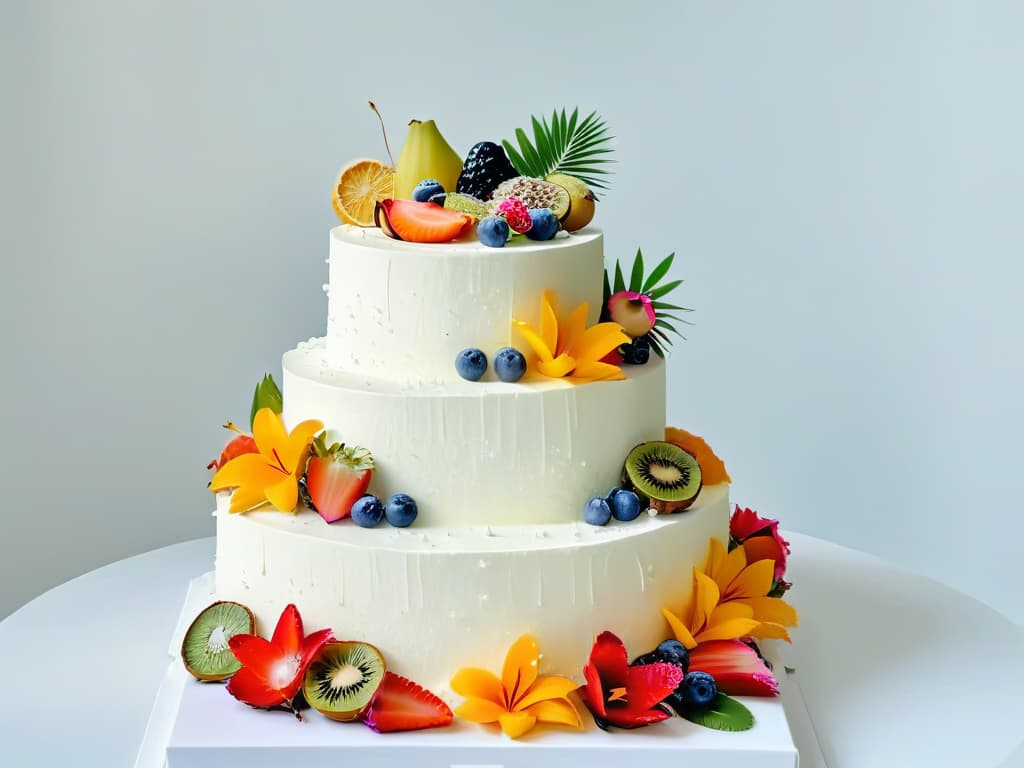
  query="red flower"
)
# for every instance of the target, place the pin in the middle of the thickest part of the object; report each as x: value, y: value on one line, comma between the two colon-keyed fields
x: 736, y: 667
x: 622, y: 695
x: 760, y: 539
x: 272, y: 670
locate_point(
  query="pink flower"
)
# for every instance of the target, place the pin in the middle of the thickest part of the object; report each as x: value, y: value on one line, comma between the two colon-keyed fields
x: 760, y: 539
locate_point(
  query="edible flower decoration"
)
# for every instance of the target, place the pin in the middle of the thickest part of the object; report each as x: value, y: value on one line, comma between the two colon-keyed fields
x: 621, y: 695
x: 730, y: 600
x: 272, y: 474
x: 760, y: 539
x: 571, y: 349
x: 272, y: 670
x: 521, y: 698
x: 736, y: 667
x: 712, y: 468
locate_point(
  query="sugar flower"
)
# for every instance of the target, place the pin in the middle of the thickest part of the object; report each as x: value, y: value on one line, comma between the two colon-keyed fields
x: 571, y: 349
x: 272, y: 474
x: 761, y: 540
x: 729, y: 600
x: 624, y: 696
x: 521, y: 698
x: 736, y: 667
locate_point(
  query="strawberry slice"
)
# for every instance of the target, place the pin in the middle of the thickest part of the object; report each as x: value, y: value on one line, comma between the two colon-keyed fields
x: 402, y: 705
x: 336, y: 476
x: 420, y: 222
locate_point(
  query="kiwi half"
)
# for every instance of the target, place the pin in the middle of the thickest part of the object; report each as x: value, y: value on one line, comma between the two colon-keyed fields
x: 663, y: 474
x: 342, y: 679
x: 205, y: 650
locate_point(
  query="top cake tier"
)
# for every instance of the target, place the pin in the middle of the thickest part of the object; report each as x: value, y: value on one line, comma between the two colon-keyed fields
x: 404, y: 310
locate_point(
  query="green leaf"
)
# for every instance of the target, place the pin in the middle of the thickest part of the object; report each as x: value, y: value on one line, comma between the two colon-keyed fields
x: 267, y: 395
x: 565, y: 145
x: 661, y: 324
x: 726, y: 714
x: 661, y: 290
x: 658, y: 272
x: 620, y: 283
x: 636, y: 278
x: 656, y: 346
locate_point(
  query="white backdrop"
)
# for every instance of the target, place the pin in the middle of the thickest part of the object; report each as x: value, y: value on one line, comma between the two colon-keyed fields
x: 843, y: 183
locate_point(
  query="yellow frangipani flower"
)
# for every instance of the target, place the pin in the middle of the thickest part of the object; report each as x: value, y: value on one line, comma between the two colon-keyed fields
x: 521, y: 698
x: 730, y: 600
x: 571, y: 349
x: 272, y: 475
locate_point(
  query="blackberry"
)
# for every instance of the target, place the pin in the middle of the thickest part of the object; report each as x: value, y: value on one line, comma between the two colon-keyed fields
x: 637, y: 353
x: 485, y: 168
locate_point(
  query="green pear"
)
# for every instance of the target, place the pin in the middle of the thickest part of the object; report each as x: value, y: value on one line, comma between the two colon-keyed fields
x: 425, y: 155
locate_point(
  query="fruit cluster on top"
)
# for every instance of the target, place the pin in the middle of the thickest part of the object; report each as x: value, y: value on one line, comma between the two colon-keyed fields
x: 434, y: 195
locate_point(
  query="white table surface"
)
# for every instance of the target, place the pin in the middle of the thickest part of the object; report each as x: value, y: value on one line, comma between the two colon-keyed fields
x: 895, y: 669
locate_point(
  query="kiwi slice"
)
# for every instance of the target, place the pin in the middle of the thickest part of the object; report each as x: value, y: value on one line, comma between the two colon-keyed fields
x: 463, y: 203
x: 342, y: 679
x: 663, y: 474
x: 205, y: 650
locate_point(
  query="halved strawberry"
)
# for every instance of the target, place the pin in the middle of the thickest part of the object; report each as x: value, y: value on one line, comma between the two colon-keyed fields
x: 238, y: 445
x: 336, y: 476
x: 420, y: 222
x: 402, y: 705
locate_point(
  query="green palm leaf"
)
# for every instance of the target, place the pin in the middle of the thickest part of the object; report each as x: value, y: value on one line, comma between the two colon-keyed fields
x: 565, y: 145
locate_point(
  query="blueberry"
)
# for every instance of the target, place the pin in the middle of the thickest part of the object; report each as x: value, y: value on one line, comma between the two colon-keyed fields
x: 471, y: 364
x: 400, y: 510
x: 439, y: 198
x: 426, y: 189
x: 597, y: 511
x: 636, y: 353
x: 611, y: 494
x: 545, y: 224
x: 492, y: 231
x: 625, y: 506
x: 698, y: 690
x: 669, y: 652
x: 367, y: 511
x: 509, y: 364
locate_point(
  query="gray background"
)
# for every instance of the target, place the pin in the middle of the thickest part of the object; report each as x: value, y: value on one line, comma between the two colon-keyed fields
x: 843, y: 183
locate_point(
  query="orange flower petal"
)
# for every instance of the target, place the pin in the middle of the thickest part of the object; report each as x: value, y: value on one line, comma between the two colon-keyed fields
x: 715, y: 560
x: 269, y: 433
x: 679, y: 629
x: 754, y: 581
x: 547, y: 687
x: 771, y: 609
x: 728, y: 630
x: 474, y: 683
x: 707, y: 599
x: 284, y: 494
x: 549, y: 321
x: 593, y: 370
x: 480, y: 711
x: 245, y: 470
x: 557, y: 711
x: 520, y: 669
x: 557, y: 368
x: 712, y: 468
x: 733, y: 566
x: 573, y: 328
x: 598, y: 340
x: 768, y: 630
x: 544, y: 353
x: 299, y: 441
x: 515, y: 724
x: 247, y: 498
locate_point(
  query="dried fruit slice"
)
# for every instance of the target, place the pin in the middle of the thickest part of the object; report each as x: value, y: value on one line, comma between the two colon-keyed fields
x: 342, y: 679
x: 205, y: 651
x: 535, y: 193
x: 402, y: 705
x: 361, y: 184
x: 663, y: 474
x: 421, y: 222
x: 712, y: 468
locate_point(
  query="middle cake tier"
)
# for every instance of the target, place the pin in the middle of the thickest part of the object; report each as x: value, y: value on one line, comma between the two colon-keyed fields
x: 482, y: 453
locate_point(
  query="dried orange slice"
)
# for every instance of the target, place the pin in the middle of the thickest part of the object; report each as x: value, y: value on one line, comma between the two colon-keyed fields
x: 360, y: 185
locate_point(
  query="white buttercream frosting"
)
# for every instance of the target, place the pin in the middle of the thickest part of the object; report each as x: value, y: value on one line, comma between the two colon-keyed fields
x: 435, y: 599
x: 405, y: 310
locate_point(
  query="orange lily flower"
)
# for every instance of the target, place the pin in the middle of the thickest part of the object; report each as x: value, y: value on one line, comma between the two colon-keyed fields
x: 572, y: 349
x: 521, y: 698
x: 730, y: 600
x: 272, y: 474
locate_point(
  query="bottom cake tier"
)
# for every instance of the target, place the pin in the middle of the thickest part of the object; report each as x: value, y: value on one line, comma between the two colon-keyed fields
x: 434, y: 600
